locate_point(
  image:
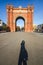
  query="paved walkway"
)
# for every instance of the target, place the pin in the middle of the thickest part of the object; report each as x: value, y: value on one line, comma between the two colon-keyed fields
x: 10, y: 47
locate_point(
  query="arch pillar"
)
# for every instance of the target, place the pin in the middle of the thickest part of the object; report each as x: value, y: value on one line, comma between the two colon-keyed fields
x: 10, y: 17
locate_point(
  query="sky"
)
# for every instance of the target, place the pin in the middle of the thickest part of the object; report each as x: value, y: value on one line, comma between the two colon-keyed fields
x: 20, y: 23
x: 38, y: 9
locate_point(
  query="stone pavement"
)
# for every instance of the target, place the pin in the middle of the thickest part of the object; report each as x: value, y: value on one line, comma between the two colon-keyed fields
x: 10, y: 44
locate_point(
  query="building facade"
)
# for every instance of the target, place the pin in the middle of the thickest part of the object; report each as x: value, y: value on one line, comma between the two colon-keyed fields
x: 1, y: 23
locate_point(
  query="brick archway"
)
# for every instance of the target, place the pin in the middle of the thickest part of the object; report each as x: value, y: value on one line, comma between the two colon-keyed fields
x: 26, y: 13
x: 19, y: 17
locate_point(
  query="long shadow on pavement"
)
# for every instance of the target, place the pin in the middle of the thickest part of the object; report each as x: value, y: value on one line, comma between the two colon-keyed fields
x: 23, y: 56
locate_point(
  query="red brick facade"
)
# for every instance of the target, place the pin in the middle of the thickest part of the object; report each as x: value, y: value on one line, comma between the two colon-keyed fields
x: 26, y: 13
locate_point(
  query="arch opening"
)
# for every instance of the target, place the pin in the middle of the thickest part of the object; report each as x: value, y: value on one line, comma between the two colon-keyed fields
x: 20, y: 24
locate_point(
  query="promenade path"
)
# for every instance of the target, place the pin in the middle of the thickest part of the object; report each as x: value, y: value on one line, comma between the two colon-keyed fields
x: 10, y: 44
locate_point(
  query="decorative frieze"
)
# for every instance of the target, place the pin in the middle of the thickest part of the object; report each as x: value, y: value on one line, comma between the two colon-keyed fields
x: 22, y: 11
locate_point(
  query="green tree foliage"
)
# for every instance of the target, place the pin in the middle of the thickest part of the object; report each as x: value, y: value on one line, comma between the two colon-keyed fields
x: 8, y: 29
x: 4, y: 27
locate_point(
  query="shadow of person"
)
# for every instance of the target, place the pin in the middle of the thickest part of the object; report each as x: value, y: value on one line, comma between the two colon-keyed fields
x: 23, y: 56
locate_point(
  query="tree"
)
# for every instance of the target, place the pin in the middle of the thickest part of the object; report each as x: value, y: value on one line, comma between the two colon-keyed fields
x: 4, y: 26
x: 1, y: 28
x: 42, y: 27
x: 22, y: 29
x: 7, y: 29
x: 17, y: 28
